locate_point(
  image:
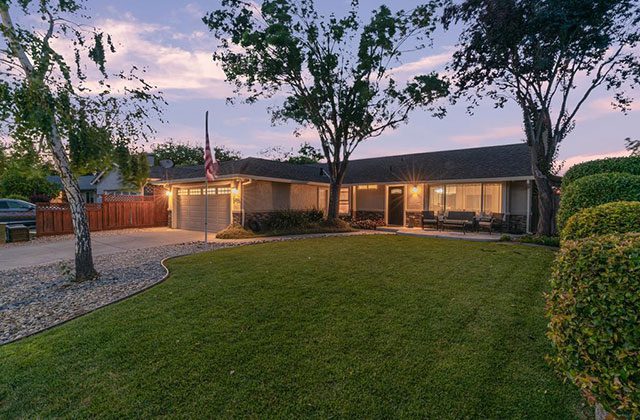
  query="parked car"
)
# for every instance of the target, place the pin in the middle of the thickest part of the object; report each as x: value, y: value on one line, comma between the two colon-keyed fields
x: 17, y: 212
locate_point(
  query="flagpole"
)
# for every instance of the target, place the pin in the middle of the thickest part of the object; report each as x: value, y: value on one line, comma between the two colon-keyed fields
x: 206, y: 182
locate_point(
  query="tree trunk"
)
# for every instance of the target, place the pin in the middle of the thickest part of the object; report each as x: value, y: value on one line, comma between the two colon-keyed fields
x: 546, y: 201
x: 85, y: 269
x: 334, y: 200
x: 84, y: 258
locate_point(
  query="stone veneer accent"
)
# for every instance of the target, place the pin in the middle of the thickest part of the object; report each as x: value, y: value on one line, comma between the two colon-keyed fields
x: 517, y: 223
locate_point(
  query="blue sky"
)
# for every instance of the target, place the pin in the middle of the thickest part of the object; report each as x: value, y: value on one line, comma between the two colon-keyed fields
x: 169, y: 38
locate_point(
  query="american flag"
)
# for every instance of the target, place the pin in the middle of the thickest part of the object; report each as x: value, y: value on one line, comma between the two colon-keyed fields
x: 210, y: 162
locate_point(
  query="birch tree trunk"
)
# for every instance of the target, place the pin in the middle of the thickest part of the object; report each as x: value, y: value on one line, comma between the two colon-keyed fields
x: 85, y: 269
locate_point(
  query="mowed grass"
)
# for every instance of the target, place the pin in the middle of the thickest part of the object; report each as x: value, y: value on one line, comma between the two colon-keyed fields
x: 367, y: 326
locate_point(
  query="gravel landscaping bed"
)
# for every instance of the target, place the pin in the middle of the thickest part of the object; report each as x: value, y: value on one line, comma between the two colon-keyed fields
x: 33, y: 299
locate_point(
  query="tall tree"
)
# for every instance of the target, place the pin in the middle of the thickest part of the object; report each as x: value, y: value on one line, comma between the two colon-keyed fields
x: 335, y: 73
x: 47, y: 87
x: 549, y: 57
x: 185, y: 154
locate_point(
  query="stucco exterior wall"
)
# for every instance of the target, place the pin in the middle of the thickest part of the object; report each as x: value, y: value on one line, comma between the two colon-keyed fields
x: 265, y: 196
x: 304, y: 197
x: 415, y: 199
x: 518, y: 198
x: 370, y: 199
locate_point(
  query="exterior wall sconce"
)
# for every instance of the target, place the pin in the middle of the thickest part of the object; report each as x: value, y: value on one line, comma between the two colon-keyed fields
x: 168, y: 193
x: 414, y: 189
x: 234, y: 191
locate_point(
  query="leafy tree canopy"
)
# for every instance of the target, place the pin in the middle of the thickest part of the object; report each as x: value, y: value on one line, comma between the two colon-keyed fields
x: 548, y: 56
x: 333, y: 73
x: 306, y: 154
x: 184, y: 154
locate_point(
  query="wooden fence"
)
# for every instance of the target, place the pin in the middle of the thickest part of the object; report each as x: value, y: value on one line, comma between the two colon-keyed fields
x: 115, y: 212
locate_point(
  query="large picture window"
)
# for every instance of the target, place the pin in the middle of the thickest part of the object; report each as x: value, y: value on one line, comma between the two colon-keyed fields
x: 492, y: 198
x: 436, y: 198
x: 344, y: 201
x: 477, y: 197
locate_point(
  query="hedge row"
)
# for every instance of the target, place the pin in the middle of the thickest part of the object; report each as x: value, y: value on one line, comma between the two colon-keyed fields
x: 629, y: 165
x: 594, y: 313
x: 616, y: 217
x: 594, y: 190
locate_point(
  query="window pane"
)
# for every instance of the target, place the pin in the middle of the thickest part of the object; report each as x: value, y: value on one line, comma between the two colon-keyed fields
x: 436, y: 198
x: 344, y: 201
x: 463, y: 197
x: 493, y: 198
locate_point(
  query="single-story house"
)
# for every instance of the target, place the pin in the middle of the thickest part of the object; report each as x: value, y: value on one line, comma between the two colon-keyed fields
x: 105, y: 182
x: 394, y: 189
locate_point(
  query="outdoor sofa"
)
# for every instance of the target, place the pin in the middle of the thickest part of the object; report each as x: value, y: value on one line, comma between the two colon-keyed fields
x: 459, y: 219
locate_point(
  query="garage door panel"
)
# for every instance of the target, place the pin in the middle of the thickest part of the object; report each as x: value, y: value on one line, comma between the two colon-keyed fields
x: 190, y: 212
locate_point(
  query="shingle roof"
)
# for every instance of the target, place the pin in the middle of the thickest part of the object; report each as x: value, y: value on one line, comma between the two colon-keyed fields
x: 247, y: 167
x: 508, y: 161
x: 84, y: 181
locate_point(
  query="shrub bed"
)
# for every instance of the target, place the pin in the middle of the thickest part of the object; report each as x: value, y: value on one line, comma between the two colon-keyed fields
x: 235, y: 231
x: 367, y: 224
x: 539, y: 240
x: 629, y: 165
x: 615, y: 217
x: 594, y: 319
x: 594, y: 190
x: 292, y: 219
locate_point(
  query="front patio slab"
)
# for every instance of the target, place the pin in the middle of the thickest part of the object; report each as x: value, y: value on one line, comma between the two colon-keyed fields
x: 446, y: 234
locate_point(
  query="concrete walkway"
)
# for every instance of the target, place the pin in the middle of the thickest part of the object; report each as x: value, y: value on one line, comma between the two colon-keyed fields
x: 54, y: 249
x: 445, y: 234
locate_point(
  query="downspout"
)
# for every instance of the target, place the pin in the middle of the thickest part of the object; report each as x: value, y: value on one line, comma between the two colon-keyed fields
x: 242, y: 212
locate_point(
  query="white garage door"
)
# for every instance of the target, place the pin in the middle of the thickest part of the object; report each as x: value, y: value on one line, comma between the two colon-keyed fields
x: 190, y: 208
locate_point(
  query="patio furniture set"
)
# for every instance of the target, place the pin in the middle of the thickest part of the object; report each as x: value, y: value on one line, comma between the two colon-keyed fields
x: 466, y: 220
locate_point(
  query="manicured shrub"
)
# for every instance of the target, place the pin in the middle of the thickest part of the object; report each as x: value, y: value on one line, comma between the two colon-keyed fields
x: 594, y: 319
x: 594, y: 190
x: 616, y: 217
x: 292, y: 219
x: 629, y: 165
x: 367, y: 224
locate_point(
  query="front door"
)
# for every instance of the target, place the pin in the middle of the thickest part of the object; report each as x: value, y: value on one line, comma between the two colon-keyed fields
x: 395, y: 209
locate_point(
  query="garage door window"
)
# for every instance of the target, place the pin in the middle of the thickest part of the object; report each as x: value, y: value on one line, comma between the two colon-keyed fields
x: 224, y: 190
x: 195, y: 191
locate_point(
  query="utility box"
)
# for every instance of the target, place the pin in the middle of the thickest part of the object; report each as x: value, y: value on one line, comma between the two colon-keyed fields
x: 18, y: 233
x: 3, y: 233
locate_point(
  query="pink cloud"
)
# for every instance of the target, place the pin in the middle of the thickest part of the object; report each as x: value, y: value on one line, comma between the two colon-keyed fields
x: 573, y: 160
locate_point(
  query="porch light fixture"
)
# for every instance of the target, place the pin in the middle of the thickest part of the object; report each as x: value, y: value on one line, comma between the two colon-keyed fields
x: 234, y: 191
x: 414, y: 189
x: 168, y: 193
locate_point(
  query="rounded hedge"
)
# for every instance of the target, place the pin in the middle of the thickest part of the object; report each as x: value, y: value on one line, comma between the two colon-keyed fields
x: 628, y: 165
x: 594, y: 190
x: 594, y: 319
x: 615, y: 217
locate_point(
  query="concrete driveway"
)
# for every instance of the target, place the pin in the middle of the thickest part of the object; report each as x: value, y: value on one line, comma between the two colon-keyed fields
x: 50, y: 250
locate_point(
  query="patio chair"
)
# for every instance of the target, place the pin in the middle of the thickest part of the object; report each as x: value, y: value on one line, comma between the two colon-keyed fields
x: 429, y: 218
x: 491, y: 222
x: 460, y: 219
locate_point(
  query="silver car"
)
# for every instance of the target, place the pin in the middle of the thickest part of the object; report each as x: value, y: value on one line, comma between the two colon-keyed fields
x: 17, y: 211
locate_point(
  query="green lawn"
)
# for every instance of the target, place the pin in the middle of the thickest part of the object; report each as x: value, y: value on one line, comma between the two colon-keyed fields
x: 367, y: 326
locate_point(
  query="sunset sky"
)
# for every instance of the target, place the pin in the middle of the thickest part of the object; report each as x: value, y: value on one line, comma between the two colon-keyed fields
x: 169, y: 38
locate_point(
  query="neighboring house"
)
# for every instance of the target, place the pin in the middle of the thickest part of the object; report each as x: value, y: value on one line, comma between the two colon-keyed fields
x: 394, y: 189
x: 106, y: 182
x: 86, y: 184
